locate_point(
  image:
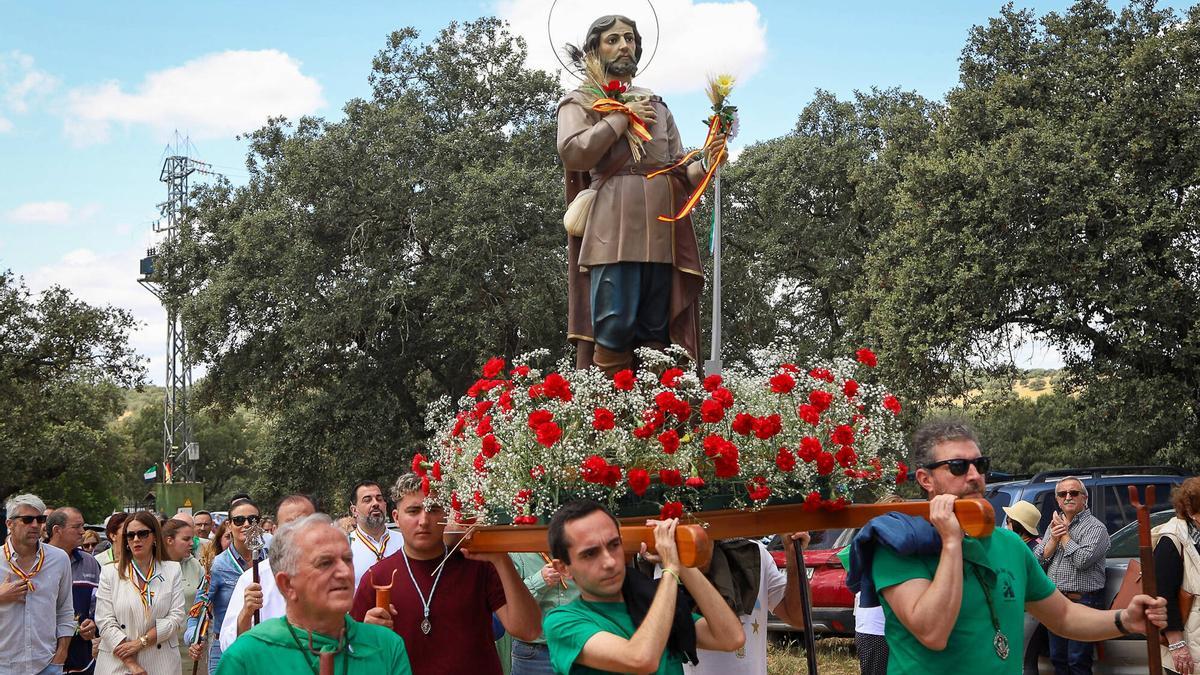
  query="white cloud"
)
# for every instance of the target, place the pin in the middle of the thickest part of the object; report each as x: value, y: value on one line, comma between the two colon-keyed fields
x: 21, y: 85
x: 215, y: 96
x: 111, y: 279
x: 49, y: 213
x: 698, y: 39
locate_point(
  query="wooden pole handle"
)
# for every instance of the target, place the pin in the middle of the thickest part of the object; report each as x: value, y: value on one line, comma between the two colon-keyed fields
x: 695, y: 546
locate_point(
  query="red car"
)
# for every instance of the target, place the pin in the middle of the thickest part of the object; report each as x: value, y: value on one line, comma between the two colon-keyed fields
x: 832, y: 601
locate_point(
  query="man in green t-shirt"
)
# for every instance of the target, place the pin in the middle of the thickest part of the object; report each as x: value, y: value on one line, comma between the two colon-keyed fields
x: 314, y: 571
x: 964, y: 608
x: 595, y: 633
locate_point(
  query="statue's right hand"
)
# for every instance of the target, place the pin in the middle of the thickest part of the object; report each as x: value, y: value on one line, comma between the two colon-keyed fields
x: 643, y: 109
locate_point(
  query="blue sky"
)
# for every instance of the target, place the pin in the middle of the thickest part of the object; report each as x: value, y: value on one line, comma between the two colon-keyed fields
x: 91, y: 93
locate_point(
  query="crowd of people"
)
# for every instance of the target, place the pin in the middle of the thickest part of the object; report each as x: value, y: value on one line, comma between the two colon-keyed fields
x: 176, y: 595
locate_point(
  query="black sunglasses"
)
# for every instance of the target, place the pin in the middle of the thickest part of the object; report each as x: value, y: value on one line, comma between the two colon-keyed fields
x: 1069, y: 493
x: 130, y: 535
x: 958, y: 467
x: 242, y: 520
x: 28, y: 520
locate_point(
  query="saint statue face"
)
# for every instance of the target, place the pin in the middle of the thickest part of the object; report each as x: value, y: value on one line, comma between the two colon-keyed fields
x: 618, y: 48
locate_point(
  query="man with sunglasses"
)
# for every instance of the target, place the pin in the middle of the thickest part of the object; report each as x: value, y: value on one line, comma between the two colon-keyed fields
x: 962, y: 605
x: 1074, y: 551
x: 37, y: 617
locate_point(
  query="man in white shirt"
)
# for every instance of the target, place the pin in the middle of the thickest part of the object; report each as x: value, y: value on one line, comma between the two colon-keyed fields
x: 777, y: 592
x: 37, y: 614
x: 370, y: 540
x: 264, y: 596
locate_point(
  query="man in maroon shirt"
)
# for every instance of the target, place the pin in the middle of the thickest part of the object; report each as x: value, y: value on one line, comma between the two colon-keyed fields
x: 444, y: 615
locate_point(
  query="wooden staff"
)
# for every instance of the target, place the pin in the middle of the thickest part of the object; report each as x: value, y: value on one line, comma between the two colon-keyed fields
x: 810, y: 638
x: 383, y: 594
x: 695, y: 538
x: 1149, y: 585
x: 256, y: 543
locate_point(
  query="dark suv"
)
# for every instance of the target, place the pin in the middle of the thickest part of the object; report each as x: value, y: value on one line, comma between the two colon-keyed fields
x: 1107, y: 486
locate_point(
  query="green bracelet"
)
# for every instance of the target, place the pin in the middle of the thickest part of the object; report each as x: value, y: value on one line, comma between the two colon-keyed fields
x: 674, y: 574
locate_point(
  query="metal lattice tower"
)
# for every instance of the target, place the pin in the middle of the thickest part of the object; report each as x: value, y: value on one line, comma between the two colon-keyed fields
x: 180, y: 451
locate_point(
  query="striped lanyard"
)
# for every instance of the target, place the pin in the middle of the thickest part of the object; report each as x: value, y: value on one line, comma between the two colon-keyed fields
x: 379, y: 550
x: 233, y: 558
x: 142, y: 583
x: 27, y: 577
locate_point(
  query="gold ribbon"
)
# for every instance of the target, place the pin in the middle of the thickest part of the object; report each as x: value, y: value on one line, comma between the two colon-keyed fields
x: 143, y: 588
x: 714, y: 127
x: 26, y: 577
x: 366, y: 540
x: 636, y: 124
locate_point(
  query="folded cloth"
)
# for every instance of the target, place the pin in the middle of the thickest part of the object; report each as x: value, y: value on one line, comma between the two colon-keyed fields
x: 736, y: 571
x: 908, y: 536
x: 638, y: 591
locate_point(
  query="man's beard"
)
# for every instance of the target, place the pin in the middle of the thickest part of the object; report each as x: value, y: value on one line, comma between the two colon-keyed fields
x: 375, y: 520
x: 622, y: 66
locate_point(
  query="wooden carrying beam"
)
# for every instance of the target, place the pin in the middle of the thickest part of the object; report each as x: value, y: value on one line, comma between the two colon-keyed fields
x: 696, y: 536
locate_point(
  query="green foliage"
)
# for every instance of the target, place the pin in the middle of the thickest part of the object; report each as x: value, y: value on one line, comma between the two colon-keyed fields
x: 62, y: 363
x: 371, y: 264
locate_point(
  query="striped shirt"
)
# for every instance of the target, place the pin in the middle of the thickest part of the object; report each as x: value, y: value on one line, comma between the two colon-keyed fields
x: 1077, y: 565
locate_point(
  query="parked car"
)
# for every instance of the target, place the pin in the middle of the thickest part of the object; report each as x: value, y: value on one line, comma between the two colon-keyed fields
x: 1125, y: 655
x: 832, y: 601
x: 1107, y: 486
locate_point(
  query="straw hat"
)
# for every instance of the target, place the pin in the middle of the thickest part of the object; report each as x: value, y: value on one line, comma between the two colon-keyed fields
x: 1026, y: 514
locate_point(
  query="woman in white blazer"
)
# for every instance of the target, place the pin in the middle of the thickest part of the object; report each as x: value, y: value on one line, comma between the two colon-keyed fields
x: 139, y: 606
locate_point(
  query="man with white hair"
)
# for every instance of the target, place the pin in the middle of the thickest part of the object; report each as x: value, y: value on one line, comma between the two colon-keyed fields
x: 1074, y: 551
x: 314, y: 571
x: 264, y: 596
x: 37, y: 618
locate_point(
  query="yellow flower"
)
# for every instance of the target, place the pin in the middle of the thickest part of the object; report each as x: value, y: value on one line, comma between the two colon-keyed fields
x: 724, y: 84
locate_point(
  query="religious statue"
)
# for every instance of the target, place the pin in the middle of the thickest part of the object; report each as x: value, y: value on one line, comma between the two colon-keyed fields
x: 634, y: 279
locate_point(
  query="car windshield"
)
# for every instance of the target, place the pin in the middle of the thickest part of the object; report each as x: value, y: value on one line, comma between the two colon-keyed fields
x: 999, y: 499
x: 824, y: 539
x: 1125, y: 540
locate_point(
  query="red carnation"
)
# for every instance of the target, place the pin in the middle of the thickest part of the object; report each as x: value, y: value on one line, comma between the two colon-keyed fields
x: 490, y: 446
x: 484, y: 427
x: 538, y: 417
x: 505, y: 401
x: 478, y: 497
x: 669, y: 440
x: 843, y: 435
x: 425, y: 485
x: 726, y: 465
x: 493, y: 367
x: 713, y: 445
x: 480, y: 465
x: 548, y: 434
x: 846, y: 456
x: 537, y: 472
x: 639, y: 480
x: 593, y: 468
x: 694, y: 482
x: 712, y: 411
x: 789, y: 367
x: 436, y: 471
x: 623, y: 380
x: 782, y: 383
x: 766, y: 427
x: 821, y: 374
x: 645, y: 431
x: 670, y: 477
x: 785, y: 460
x: 712, y: 382
x: 901, y: 472
x: 866, y: 357
x: 758, y: 489
x: 671, y: 510
x: 724, y: 396
x: 459, y: 426
x: 520, y: 371
x: 825, y: 463
x: 809, y: 448
x: 821, y: 400
x: 681, y: 410
x: 417, y: 464
x: 481, y: 408
x: 670, y: 377
x: 892, y: 403
x: 743, y: 424
x: 525, y: 520
x: 850, y: 388
x: 809, y: 414
x: 455, y: 503
x: 557, y: 387
x: 522, y: 496
x: 603, y: 419
x: 812, y: 502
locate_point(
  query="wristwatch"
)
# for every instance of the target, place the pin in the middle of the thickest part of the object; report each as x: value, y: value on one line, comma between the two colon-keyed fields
x: 1175, y: 646
x: 1117, y: 621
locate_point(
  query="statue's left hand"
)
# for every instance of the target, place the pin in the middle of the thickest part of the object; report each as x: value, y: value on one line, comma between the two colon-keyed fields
x: 710, y: 150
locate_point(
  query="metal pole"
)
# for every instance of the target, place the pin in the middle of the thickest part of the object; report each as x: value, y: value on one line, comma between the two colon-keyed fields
x: 810, y: 638
x: 713, y: 365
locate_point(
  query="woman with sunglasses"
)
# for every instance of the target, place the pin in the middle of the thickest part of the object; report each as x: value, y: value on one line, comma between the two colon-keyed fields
x: 223, y: 576
x: 139, y: 606
x: 90, y: 541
